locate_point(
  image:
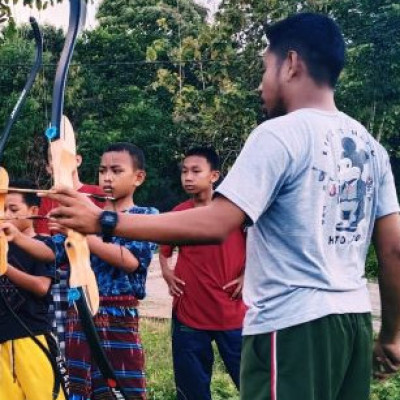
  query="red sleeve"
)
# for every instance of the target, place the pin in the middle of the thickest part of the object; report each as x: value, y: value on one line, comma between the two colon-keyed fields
x: 46, y: 205
x: 166, y: 250
x: 93, y: 189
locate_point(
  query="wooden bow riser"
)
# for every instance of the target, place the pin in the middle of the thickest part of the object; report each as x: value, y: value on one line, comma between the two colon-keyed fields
x: 76, y: 246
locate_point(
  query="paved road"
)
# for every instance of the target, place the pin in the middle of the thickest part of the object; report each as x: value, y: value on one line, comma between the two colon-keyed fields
x: 158, y: 302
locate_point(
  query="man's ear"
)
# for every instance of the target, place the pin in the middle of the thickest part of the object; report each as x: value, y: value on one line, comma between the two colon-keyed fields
x: 215, y: 175
x: 293, y: 65
x: 34, y: 210
x: 140, y: 177
x: 78, y: 160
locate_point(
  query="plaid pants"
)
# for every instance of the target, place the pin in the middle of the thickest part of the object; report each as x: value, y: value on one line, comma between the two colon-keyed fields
x: 59, y: 307
x: 117, y: 324
x: 58, y: 313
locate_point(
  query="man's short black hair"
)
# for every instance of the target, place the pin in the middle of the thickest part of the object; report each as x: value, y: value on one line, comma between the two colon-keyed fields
x: 318, y: 41
x: 208, y: 153
x: 30, y: 199
x: 134, y: 151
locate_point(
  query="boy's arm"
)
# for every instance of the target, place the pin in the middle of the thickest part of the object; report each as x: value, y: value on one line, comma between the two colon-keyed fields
x: 38, y: 285
x: 113, y: 254
x: 175, y: 285
x: 387, y: 245
x: 36, y: 248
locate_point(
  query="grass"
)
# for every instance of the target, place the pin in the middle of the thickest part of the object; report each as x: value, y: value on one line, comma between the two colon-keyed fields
x: 387, y: 390
x: 160, y: 381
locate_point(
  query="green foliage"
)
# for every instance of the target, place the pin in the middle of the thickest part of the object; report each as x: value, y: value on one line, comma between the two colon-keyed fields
x: 159, y: 74
x: 16, y: 52
x: 5, y: 10
x: 371, y: 264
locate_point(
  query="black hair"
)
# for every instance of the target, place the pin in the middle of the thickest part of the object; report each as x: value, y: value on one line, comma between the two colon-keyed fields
x: 134, y: 151
x: 30, y: 199
x: 318, y: 41
x: 208, y: 153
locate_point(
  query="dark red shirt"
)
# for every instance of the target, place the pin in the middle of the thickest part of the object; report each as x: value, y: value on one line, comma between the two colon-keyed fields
x: 46, y: 205
x: 206, y: 269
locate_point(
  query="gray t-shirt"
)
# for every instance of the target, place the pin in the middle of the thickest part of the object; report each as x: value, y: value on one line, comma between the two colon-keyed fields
x: 312, y: 183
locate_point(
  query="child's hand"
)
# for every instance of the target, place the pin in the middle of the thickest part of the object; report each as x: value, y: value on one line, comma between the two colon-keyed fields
x: 10, y: 230
x: 175, y: 285
x: 54, y: 227
x: 237, y: 284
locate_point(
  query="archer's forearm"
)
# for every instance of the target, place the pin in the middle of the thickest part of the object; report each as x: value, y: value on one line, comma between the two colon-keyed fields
x: 35, y: 248
x: 38, y: 285
x: 209, y: 224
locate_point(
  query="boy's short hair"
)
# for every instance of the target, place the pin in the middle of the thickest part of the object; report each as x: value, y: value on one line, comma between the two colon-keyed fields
x: 30, y: 199
x: 316, y: 38
x: 135, y: 152
x: 208, y: 153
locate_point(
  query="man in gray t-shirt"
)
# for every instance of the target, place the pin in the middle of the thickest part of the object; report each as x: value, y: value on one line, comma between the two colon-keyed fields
x: 312, y: 184
x: 314, y: 187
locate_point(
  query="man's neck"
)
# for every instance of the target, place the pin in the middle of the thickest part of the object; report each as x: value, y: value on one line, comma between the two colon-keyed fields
x: 320, y: 98
x: 203, y: 198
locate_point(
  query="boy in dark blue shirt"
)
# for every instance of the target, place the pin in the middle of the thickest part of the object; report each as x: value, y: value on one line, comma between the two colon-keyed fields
x: 25, y: 327
x: 120, y: 267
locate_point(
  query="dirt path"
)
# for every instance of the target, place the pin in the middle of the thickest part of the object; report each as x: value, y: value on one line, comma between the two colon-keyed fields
x: 158, y: 302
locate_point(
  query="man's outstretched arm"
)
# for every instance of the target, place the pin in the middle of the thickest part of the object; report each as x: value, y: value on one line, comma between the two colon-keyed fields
x: 209, y: 224
x: 387, y: 245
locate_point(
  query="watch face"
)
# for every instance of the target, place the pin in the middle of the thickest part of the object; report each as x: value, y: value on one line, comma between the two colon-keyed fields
x: 109, y: 218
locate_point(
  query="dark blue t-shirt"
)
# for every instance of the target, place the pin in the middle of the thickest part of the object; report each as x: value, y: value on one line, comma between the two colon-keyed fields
x: 31, y: 309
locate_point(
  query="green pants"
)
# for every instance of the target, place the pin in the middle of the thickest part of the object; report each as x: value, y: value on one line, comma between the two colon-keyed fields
x: 326, y: 359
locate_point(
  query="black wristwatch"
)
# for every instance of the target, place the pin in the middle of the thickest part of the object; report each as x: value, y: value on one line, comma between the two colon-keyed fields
x: 108, y: 221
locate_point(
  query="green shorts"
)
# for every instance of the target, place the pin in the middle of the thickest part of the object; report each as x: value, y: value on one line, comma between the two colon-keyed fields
x: 326, y: 359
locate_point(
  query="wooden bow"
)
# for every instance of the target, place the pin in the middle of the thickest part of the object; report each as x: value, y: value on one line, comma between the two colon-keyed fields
x: 61, y: 136
x: 82, y: 281
x: 83, y: 287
